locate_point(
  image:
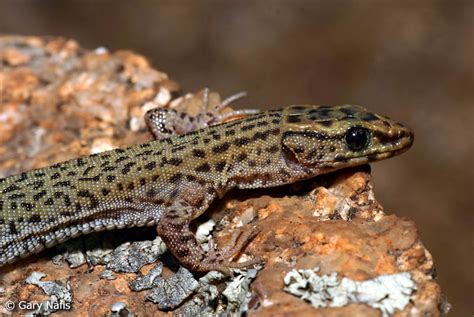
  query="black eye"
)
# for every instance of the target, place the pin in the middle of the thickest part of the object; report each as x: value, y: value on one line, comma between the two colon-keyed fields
x: 357, y: 138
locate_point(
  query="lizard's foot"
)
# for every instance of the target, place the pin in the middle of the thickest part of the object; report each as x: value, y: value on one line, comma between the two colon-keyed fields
x: 215, y: 114
x: 221, y: 260
x: 164, y: 123
x: 173, y: 228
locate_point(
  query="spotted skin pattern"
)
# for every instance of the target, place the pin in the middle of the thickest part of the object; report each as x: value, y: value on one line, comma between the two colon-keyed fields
x: 170, y: 182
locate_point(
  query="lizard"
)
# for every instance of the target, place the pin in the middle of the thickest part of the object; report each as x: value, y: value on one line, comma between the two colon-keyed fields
x: 171, y: 181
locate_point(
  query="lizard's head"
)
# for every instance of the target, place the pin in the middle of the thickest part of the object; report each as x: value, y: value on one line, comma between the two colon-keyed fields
x: 335, y: 137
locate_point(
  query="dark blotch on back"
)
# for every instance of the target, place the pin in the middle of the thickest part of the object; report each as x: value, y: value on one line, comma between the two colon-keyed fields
x: 241, y: 157
x: 23, y: 176
x: 127, y: 167
x: 150, y: 166
x: 321, y: 113
x: 36, y: 184
x: 199, y: 153
x: 90, y: 179
x: 347, y: 111
x: 230, y: 132
x: 10, y: 188
x: 176, y: 177
x: 84, y: 193
x: 35, y: 219
x: 261, y: 135
x: 86, y: 171
x: 62, y: 184
x: 191, y: 178
x: 40, y: 194
x: 326, y: 123
x: 221, y: 148
x: 80, y: 162
x: 203, y: 168
x: 247, y: 127
x: 178, y: 148
x: 12, y: 227
x: 27, y: 206
x: 16, y: 196
x: 293, y: 119
x: 121, y: 158
x: 151, y: 192
x: 272, y: 149
x: 175, y: 161
x: 241, y: 141
x: 49, y: 202
x: 220, y: 166
x: 67, y: 201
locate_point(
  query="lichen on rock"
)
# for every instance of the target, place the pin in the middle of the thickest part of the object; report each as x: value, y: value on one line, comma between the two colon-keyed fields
x: 387, y: 293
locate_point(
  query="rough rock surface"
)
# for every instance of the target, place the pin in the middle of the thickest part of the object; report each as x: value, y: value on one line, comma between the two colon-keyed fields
x: 59, y: 101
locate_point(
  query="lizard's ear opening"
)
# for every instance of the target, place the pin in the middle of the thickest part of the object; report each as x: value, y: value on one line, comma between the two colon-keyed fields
x: 296, y: 150
x: 290, y: 158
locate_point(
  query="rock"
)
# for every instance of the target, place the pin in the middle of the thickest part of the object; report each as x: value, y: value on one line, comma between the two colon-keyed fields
x: 341, y: 229
x: 60, y: 101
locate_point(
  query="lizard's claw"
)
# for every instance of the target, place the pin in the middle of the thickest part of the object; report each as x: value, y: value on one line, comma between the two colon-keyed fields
x: 221, y: 260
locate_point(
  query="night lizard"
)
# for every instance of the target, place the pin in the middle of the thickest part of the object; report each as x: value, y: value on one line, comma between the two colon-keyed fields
x: 170, y: 182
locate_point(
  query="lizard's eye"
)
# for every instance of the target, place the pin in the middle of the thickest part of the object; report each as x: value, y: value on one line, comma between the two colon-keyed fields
x: 357, y: 138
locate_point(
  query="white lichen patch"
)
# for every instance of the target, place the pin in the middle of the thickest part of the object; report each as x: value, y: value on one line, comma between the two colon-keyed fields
x: 60, y: 296
x: 131, y: 257
x: 168, y: 293
x: 232, y: 301
x: 238, y: 292
x: 386, y: 292
x: 204, y: 230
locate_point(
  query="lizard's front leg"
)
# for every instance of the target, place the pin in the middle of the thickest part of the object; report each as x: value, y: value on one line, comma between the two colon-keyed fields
x: 173, y: 228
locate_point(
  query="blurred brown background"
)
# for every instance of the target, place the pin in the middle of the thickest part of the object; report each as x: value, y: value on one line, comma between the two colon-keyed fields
x: 411, y: 60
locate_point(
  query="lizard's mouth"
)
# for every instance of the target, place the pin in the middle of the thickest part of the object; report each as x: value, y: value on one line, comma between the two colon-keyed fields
x: 393, y: 148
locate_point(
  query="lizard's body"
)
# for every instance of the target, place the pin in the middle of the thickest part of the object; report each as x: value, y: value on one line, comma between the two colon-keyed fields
x: 172, y: 181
